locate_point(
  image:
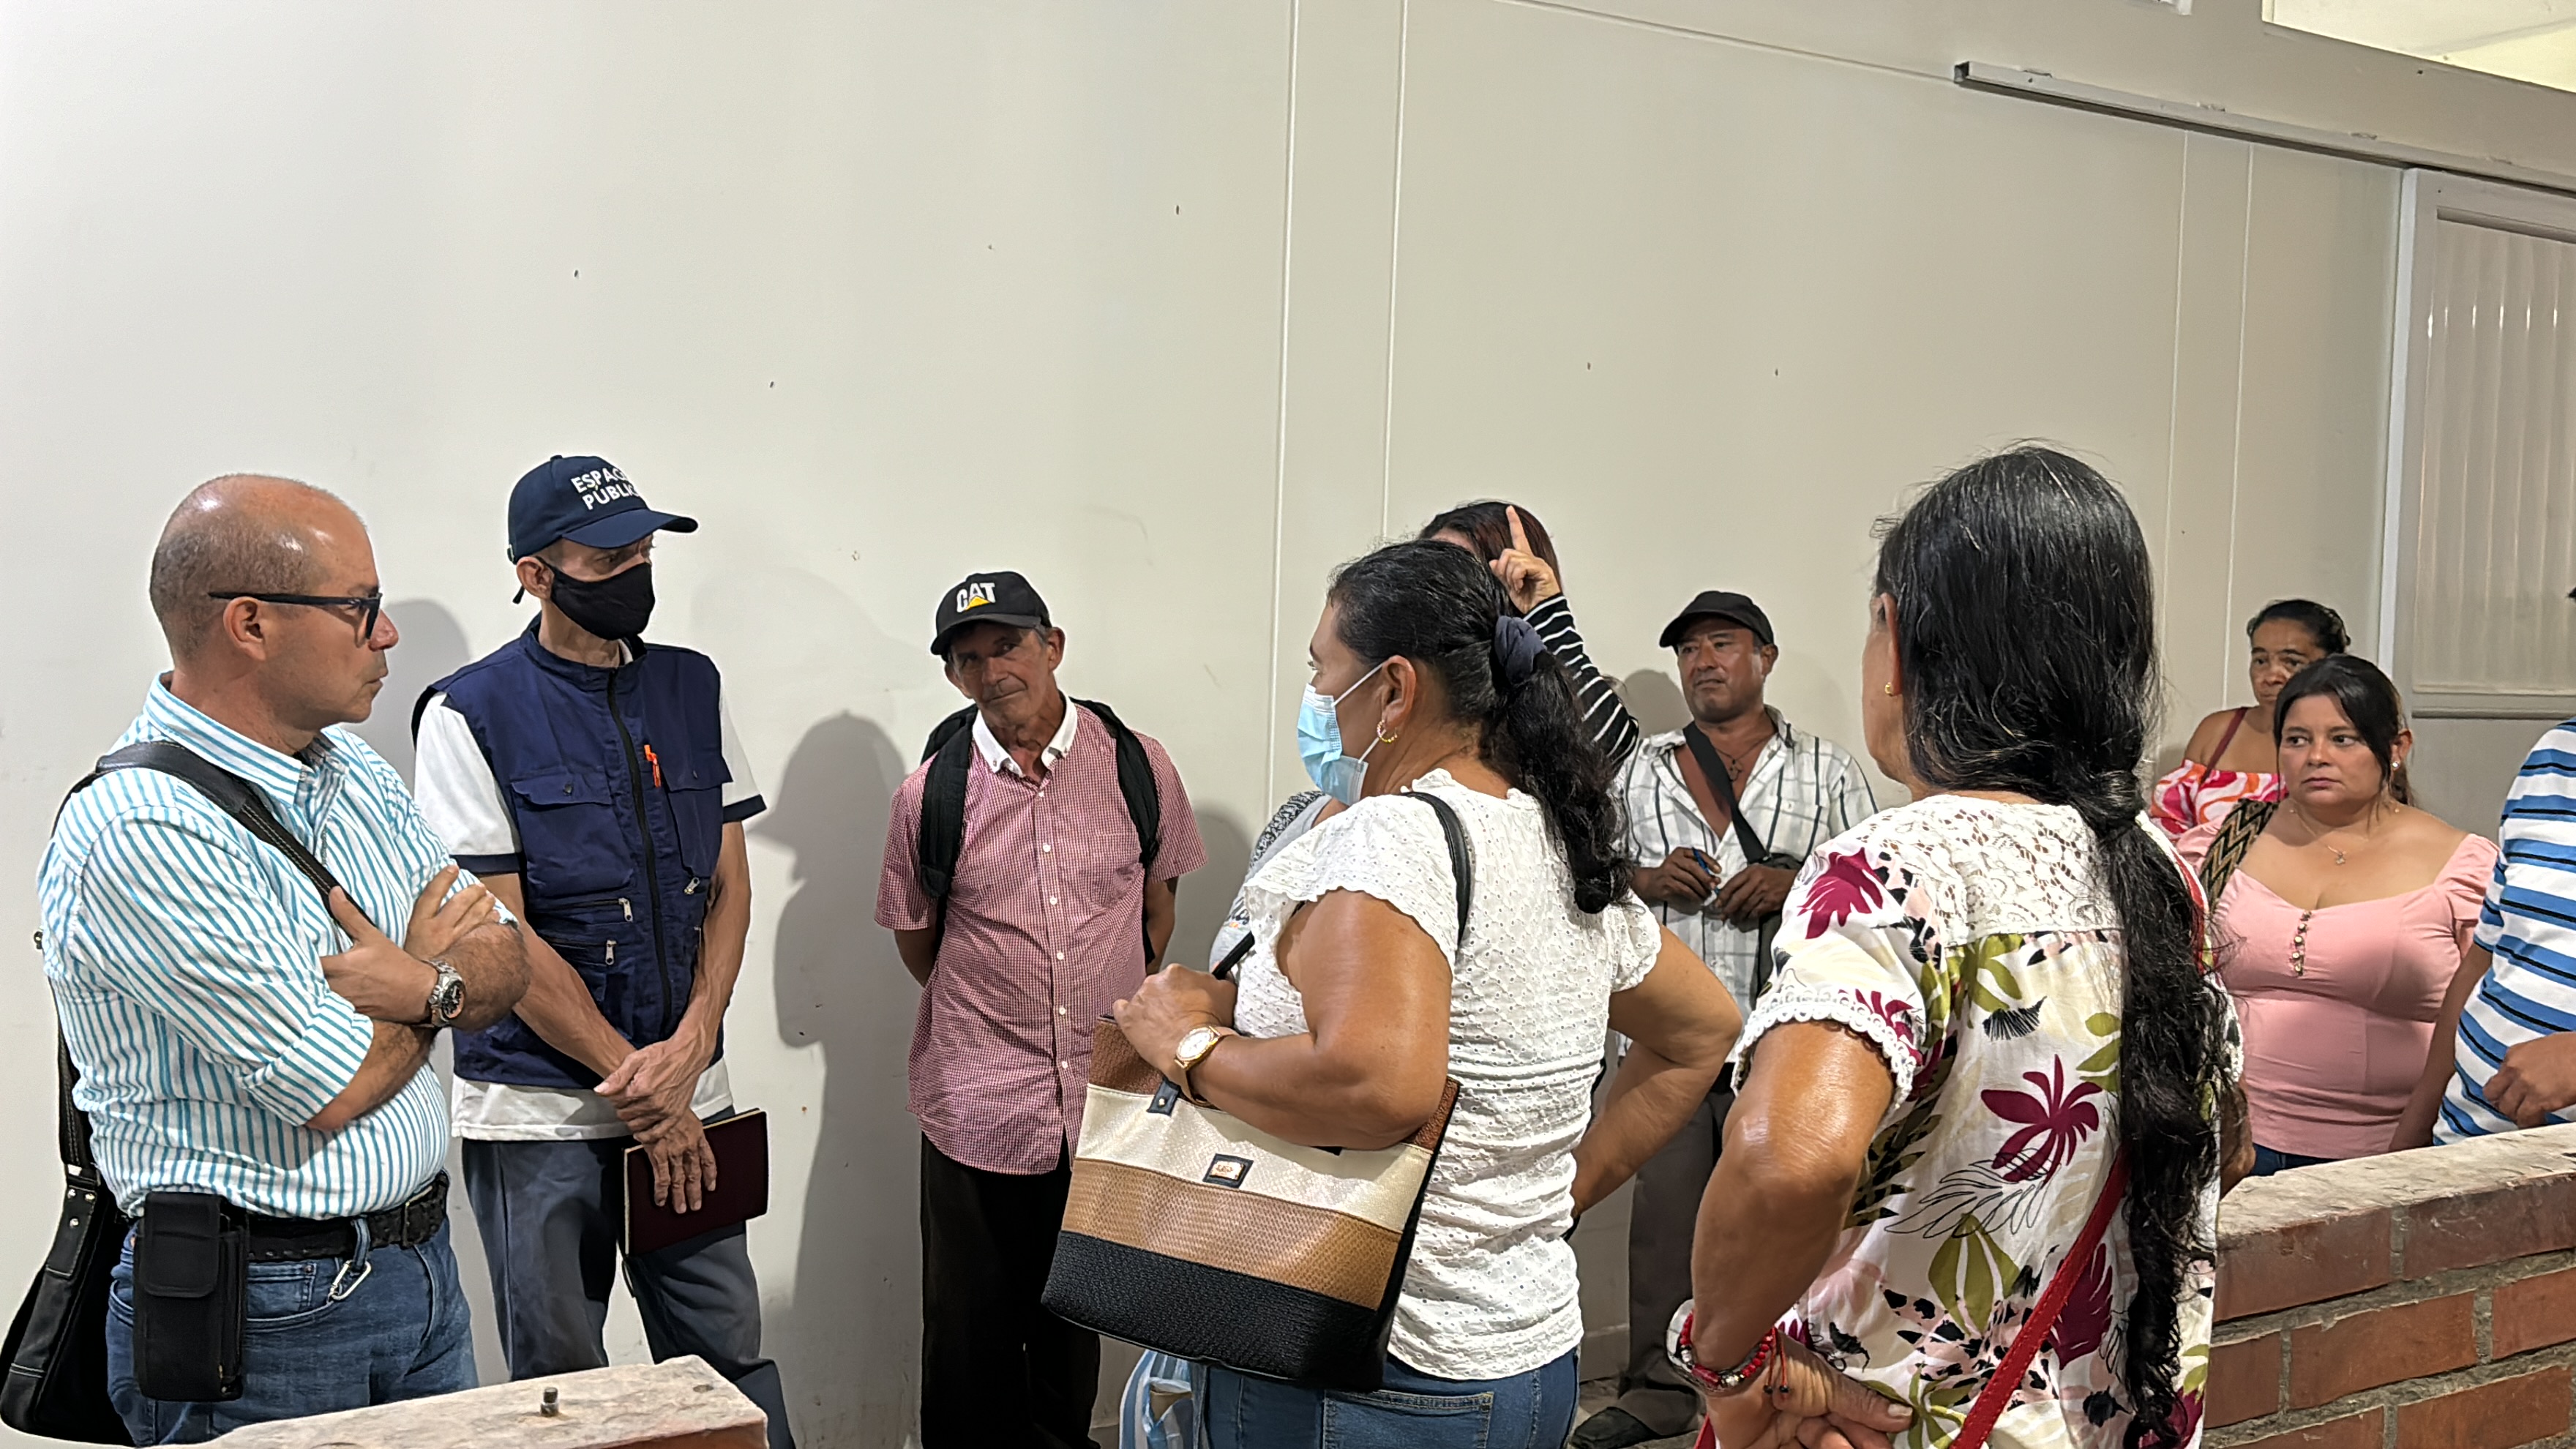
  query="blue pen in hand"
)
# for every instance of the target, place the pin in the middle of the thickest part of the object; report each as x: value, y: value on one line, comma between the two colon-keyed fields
x: 1704, y: 865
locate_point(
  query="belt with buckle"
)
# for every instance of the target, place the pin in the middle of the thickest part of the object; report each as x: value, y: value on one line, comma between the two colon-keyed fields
x: 416, y: 1220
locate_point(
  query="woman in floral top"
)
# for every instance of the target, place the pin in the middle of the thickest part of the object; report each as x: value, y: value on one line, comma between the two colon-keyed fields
x: 1984, y: 1001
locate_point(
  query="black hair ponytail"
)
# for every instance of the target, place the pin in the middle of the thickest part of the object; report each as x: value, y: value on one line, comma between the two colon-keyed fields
x: 2024, y: 610
x: 1439, y: 606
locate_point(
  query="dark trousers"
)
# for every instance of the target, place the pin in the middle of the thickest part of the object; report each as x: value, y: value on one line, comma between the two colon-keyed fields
x: 549, y: 1213
x: 997, y: 1370
x: 1663, y: 1214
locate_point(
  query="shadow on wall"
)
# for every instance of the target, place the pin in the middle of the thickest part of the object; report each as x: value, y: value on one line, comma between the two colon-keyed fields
x: 1655, y: 698
x: 1207, y: 891
x: 854, y: 1321
x: 432, y: 647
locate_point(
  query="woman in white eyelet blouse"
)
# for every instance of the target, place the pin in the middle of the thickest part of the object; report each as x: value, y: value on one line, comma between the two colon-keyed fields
x: 1359, y: 999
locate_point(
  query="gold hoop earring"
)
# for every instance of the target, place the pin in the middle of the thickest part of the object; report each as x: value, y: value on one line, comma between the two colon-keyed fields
x: 1888, y: 689
x: 1386, y: 739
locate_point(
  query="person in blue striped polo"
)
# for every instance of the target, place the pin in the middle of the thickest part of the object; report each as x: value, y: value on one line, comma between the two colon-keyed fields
x: 235, y: 1033
x: 2504, y: 1053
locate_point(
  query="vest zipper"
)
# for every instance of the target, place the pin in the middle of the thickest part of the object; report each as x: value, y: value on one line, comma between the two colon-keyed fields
x: 621, y: 902
x: 652, y: 859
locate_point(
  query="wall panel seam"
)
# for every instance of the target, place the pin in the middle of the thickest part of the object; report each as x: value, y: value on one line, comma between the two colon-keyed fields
x: 1394, y: 274
x: 1279, y: 446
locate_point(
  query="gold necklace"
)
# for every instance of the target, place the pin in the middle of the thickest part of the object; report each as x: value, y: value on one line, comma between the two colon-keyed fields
x: 2370, y: 827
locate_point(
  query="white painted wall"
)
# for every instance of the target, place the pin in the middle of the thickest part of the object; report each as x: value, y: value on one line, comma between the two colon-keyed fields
x: 1173, y: 307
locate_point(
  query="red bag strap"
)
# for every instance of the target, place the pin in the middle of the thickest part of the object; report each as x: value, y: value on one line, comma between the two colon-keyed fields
x: 1998, y: 1393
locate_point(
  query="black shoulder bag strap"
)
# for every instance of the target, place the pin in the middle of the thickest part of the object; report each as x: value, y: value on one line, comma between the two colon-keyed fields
x: 1462, y: 857
x: 1724, y: 789
x: 231, y: 794
x: 1755, y: 852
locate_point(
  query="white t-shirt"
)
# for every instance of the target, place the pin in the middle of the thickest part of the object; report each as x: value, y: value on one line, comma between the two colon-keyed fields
x: 463, y: 802
x: 1490, y: 1290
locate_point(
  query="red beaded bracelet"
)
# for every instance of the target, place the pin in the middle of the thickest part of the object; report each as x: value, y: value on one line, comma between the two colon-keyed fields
x: 1677, y: 1347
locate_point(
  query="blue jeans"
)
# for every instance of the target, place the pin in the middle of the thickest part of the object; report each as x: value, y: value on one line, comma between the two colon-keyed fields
x: 1534, y: 1410
x: 398, y: 1330
x: 2267, y: 1161
x: 549, y: 1216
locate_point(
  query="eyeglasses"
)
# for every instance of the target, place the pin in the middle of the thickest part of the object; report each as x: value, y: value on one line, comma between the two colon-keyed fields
x: 368, y: 605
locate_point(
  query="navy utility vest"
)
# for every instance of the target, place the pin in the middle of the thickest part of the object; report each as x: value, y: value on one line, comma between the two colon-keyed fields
x: 615, y: 779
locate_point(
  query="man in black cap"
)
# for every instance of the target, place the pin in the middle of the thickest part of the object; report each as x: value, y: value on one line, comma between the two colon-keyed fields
x: 1724, y: 811
x: 595, y: 783
x: 1031, y: 870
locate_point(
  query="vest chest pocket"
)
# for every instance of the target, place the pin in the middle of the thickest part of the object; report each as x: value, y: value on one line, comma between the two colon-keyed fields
x: 696, y: 785
x: 569, y: 840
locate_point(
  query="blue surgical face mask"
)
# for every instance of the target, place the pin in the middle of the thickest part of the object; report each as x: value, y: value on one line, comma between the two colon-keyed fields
x: 1319, y: 743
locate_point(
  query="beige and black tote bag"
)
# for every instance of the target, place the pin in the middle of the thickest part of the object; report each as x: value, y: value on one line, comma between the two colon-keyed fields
x: 1189, y: 1232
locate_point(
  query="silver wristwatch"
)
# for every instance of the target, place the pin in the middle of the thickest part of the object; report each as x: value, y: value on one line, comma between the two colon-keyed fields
x: 446, y: 997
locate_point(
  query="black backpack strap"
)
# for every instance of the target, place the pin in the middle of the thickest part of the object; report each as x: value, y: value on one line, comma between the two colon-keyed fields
x: 1462, y: 857
x: 942, y: 835
x: 948, y: 729
x: 1144, y: 797
x: 1135, y: 782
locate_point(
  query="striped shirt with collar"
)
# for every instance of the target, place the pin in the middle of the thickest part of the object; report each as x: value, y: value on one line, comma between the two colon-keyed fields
x: 2529, y: 927
x: 185, y: 961
x: 1803, y: 791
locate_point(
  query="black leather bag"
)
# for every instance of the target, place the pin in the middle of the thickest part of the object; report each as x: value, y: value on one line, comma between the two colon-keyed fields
x: 57, y: 1346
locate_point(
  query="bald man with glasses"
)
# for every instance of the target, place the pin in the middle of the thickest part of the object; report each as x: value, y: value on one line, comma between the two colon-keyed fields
x: 247, y: 1048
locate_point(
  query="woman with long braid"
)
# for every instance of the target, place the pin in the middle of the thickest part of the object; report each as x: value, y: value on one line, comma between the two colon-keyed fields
x: 1978, y: 1105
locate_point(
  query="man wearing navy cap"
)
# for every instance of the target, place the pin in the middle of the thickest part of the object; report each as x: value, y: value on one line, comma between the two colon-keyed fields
x: 594, y: 782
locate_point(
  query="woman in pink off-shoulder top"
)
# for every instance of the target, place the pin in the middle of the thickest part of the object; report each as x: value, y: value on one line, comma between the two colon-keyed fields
x: 2230, y: 754
x: 2343, y: 923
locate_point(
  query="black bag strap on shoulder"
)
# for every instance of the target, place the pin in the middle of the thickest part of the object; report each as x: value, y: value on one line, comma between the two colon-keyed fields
x: 1462, y: 856
x: 1724, y: 789
x: 232, y: 794
x: 950, y: 751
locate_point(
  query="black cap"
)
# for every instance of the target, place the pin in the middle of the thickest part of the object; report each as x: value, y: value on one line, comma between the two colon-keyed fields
x: 1720, y: 604
x: 996, y: 598
x: 586, y: 500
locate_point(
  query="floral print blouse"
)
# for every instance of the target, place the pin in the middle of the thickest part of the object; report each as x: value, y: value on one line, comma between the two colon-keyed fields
x: 1973, y: 945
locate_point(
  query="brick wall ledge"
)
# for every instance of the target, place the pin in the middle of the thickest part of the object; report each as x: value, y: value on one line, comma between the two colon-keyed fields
x: 2418, y: 1298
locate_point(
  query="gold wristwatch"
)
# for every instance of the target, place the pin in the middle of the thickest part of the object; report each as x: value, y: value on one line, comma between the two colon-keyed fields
x: 1194, y: 1046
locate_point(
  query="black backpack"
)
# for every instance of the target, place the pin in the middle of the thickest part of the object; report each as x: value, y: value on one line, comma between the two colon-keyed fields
x: 951, y: 751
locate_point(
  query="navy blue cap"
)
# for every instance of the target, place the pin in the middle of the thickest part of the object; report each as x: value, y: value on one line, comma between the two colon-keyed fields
x: 583, y: 499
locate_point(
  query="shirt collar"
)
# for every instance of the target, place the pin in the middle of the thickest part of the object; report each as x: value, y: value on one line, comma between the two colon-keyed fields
x: 170, y: 717
x: 998, y: 759
x: 1784, y: 737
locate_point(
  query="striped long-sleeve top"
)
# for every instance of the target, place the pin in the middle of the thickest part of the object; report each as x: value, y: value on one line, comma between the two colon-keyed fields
x: 2529, y: 926
x: 1613, y: 728
x: 185, y: 960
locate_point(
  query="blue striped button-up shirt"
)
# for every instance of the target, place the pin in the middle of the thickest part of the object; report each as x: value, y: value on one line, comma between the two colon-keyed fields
x: 185, y: 959
x: 2529, y: 925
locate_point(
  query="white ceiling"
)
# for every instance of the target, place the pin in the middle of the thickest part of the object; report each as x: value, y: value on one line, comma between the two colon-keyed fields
x: 2532, y: 40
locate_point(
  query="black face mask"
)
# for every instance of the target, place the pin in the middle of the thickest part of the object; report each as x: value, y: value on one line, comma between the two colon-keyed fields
x: 616, y: 607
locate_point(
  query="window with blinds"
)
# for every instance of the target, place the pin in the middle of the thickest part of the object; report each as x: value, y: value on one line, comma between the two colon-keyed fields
x: 2482, y: 457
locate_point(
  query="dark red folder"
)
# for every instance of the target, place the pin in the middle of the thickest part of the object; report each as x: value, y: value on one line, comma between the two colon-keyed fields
x: 741, y: 1144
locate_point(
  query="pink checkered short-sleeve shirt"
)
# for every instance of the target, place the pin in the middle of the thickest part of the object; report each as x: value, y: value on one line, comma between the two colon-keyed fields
x: 1044, y: 931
